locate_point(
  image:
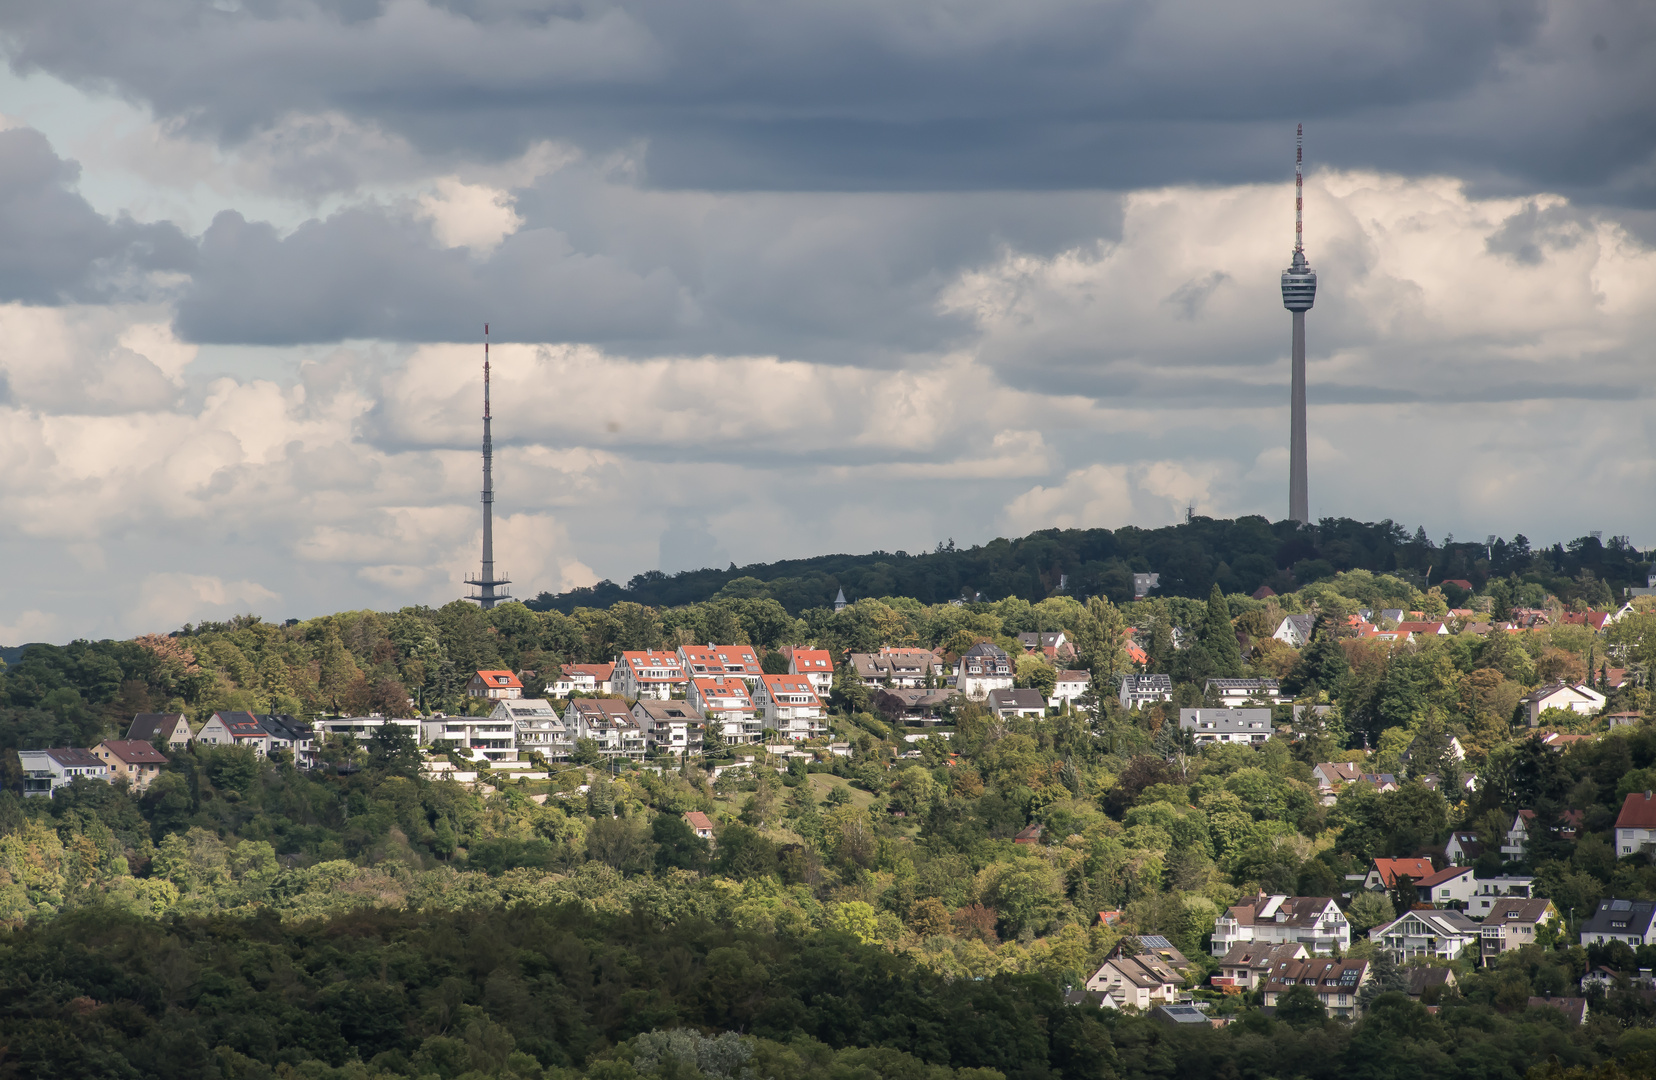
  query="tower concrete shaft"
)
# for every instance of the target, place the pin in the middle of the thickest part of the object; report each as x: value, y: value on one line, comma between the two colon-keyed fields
x: 1299, y: 498
x: 488, y: 589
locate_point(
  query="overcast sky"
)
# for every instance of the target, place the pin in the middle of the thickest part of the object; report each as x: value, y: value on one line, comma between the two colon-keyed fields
x: 774, y: 280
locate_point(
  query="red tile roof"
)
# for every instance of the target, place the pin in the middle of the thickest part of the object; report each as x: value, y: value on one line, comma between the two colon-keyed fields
x: 1638, y: 811
x: 134, y: 752
x: 500, y: 678
x: 1391, y: 868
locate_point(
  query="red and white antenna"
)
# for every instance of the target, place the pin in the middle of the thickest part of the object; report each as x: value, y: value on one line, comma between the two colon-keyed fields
x: 1299, y: 188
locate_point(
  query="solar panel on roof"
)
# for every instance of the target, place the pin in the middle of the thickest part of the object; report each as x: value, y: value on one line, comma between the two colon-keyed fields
x: 1621, y: 905
x: 1155, y: 941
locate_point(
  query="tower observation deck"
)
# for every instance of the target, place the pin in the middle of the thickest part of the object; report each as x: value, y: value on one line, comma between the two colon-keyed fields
x: 1299, y: 292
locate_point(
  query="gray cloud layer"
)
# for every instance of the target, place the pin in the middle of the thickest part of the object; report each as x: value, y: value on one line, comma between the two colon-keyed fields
x: 928, y: 94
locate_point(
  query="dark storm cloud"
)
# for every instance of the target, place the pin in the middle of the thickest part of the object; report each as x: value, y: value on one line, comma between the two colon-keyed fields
x: 834, y: 278
x: 54, y: 248
x: 881, y: 95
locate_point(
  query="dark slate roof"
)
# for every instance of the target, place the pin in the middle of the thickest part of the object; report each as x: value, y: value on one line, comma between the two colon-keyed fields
x: 1635, y: 915
x: 146, y: 724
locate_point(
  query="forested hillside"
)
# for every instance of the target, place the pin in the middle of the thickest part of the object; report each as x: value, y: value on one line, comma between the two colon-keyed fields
x: 1239, y: 556
x: 867, y: 917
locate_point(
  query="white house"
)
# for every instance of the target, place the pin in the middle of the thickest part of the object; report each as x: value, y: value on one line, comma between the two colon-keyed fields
x: 609, y: 723
x: 650, y: 673
x: 1453, y: 885
x: 1140, y: 690
x: 584, y: 679
x: 1581, y: 699
x: 1313, y: 921
x: 363, y: 728
x: 670, y: 726
x: 494, y: 740
x: 1626, y: 921
x: 1007, y: 704
x: 232, y: 728
x: 1069, y: 686
x: 816, y: 665
x: 709, y: 661
x: 1295, y: 630
x: 789, y: 706
x: 1235, y: 692
x: 727, y: 700
x: 984, y: 667
x: 1227, y: 725
x: 1636, y: 825
x: 1442, y: 935
x: 1139, y: 980
x: 44, y: 771
x: 1491, y: 891
x: 538, y: 726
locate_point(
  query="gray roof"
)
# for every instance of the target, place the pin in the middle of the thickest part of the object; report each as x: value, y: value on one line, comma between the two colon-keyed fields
x: 986, y: 648
x: 146, y: 724
x: 1634, y: 915
x: 1149, y: 684
x: 1181, y: 1014
x: 1225, y: 720
x: 666, y: 710
x: 1302, y: 623
x: 1024, y: 698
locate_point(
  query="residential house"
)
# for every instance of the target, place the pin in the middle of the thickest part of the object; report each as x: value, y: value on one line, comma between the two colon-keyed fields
x: 1575, y: 1009
x: 1333, y: 776
x: 1009, y: 703
x: 1251, y: 726
x: 1514, y: 924
x: 700, y: 824
x: 790, y: 707
x: 1490, y: 891
x: 1053, y: 646
x: 484, y: 737
x: 706, y: 661
x: 1452, y: 886
x: 924, y: 706
x: 363, y: 728
x: 1069, y: 687
x: 1335, y: 982
x: 1029, y: 834
x: 815, y: 664
x: 133, y: 760
x: 1593, y: 620
x: 539, y: 728
x: 1143, y: 583
x: 984, y: 667
x: 1140, y: 972
x: 669, y: 726
x: 650, y: 673
x: 1428, y: 984
x: 44, y: 771
x: 1313, y: 921
x: 1393, y: 615
x: 494, y: 685
x: 1430, y: 628
x: 727, y: 700
x: 1138, y: 691
x: 1295, y: 630
x: 289, y: 733
x: 1235, y: 692
x: 1183, y: 1015
x: 1636, y: 824
x: 609, y: 723
x: 1561, y: 740
x: 264, y: 734
x: 1622, y: 719
x: 1383, y: 873
x: 1621, y: 920
x: 902, y: 669
x: 1245, y: 965
x: 1463, y: 848
x: 1581, y: 699
x: 592, y: 679
x: 1429, y: 932
x: 172, y: 728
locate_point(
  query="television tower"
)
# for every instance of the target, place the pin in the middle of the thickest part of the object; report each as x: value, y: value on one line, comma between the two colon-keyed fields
x: 1299, y: 291
x: 488, y: 589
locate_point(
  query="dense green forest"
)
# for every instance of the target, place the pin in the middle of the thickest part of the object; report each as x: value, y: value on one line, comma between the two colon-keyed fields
x: 1239, y: 556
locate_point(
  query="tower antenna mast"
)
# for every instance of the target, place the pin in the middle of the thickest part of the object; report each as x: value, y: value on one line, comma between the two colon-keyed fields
x: 1299, y: 292
x: 489, y: 590
x: 1299, y: 190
